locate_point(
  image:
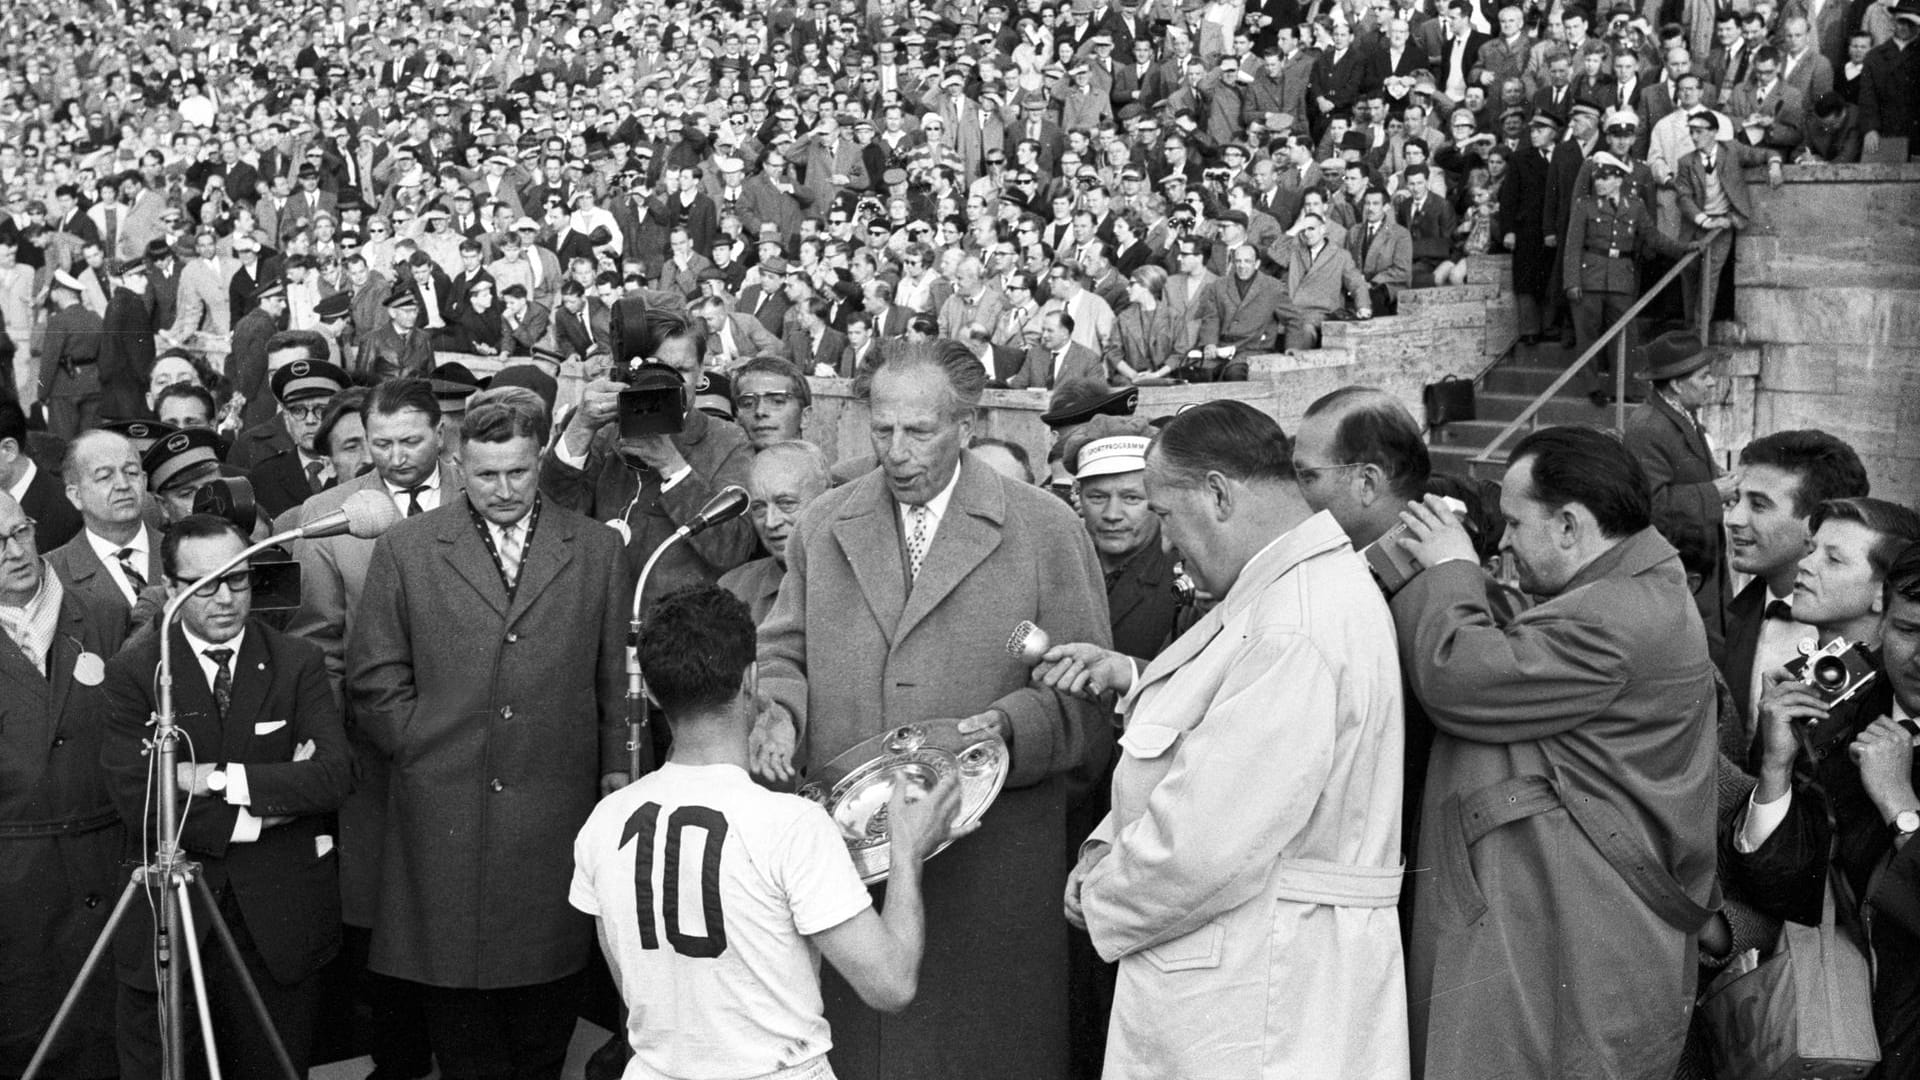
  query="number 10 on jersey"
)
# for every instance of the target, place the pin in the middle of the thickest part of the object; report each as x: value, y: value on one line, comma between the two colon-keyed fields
x: 643, y: 826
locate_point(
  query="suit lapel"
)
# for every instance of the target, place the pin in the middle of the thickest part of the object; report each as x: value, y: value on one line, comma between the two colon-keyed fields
x: 67, y: 647
x: 969, y: 532
x: 462, y: 549
x: 549, y: 552
x: 251, y: 677
x: 869, y: 537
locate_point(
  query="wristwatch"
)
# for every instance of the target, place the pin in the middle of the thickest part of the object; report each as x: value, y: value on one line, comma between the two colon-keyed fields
x: 1905, y: 824
x: 217, y: 783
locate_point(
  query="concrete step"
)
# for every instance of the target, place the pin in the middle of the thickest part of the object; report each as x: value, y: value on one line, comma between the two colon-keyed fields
x: 1415, y: 299
x: 1569, y: 407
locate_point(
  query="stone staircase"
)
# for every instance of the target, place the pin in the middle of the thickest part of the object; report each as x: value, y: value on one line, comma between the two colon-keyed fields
x: 1504, y: 391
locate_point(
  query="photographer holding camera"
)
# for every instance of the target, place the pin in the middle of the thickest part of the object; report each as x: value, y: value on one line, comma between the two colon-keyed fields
x: 1856, y: 797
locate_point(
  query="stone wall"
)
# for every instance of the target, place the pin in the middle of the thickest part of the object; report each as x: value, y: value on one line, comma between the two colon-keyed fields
x: 1827, y: 301
x: 1457, y: 330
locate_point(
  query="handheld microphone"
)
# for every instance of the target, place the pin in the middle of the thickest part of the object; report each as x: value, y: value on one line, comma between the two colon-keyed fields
x: 1028, y: 643
x: 730, y: 503
x: 364, y: 514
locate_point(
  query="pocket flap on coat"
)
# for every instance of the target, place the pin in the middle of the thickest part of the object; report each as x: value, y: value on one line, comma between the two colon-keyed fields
x: 1199, y: 949
x: 1148, y: 740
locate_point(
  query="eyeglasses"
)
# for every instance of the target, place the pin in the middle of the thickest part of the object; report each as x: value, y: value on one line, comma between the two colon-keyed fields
x: 21, y: 534
x: 236, y: 581
x: 752, y: 402
x: 1307, y: 474
x: 306, y: 412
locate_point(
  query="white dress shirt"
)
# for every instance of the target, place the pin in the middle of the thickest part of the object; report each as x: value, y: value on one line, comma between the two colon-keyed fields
x: 1778, y: 643
x: 936, y: 510
x: 246, y: 827
x: 109, y: 555
x: 19, y: 487
x: 429, y: 495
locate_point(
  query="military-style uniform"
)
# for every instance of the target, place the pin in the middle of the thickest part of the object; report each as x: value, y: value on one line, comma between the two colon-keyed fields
x: 387, y: 353
x: 69, y: 372
x: 1605, y: 238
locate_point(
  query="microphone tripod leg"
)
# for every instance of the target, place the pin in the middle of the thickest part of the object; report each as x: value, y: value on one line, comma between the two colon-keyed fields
x: 87, y: 968
x: 190, y: 941
x: 246, y: 980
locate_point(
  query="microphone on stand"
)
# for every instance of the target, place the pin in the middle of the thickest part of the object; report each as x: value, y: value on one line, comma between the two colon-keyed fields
x: 730, y: 503
x: 364, y: 514
x: 1028, y: 643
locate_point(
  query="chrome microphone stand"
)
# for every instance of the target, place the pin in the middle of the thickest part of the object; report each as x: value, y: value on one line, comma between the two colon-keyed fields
x: 171, y: 873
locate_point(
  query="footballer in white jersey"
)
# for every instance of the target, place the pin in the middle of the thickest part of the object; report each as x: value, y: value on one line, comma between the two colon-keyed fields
x: 715, y: 898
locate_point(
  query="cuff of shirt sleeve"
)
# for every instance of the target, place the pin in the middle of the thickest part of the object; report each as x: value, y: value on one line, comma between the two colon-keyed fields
x: 238, y: 793
x: 568, y: 457
x: 667, y: 483
x: 246, y: 828
x: 1760, y: 822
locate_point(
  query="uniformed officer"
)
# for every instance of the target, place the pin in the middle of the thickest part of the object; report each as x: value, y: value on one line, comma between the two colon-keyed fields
x: 178, y: 466
x: 69, y: 354
x: 1620, y: 130
x: 400, y: 348
x: 1606, y: 234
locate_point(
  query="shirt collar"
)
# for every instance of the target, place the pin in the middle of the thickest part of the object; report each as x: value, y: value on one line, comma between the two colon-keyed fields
x: 19, y: 488
x: 937, y: 506
x: 431, y: 483
x: 200, y: 645
x: 108, y: 551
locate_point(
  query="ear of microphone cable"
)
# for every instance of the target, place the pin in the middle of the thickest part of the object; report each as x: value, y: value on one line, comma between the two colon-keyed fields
x: 1028, y: 643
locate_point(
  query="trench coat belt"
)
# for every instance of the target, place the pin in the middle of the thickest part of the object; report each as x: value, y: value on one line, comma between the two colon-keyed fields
x: 81, y: 823
x: 1314, y: 881
x: 1527, y: 796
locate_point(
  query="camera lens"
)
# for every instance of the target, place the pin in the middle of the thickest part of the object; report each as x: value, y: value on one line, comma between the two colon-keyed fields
x: 1829, y: 674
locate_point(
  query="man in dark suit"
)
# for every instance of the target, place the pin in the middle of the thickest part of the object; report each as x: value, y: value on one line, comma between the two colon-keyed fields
x: 127, y: 343
x: 247, y: 363
x: 115, y: 557
x: 69, y: 382
x: 501, y: 737
x: 1057, y: 358
x: 1345, y: 72
x: 279, y: 453
x: 265, y: 762
x: 37, y: 490
x: 1784, y: 477
x: 919, y: 567
x: 1688, y: 487
x: 766, y: 300
x: 1852, y: 812
x: 812, y: 344
x: 582, y: 324
x: 60, y: 836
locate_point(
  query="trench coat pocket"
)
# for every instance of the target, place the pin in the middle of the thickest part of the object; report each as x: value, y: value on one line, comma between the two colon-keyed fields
x: 1188, y: 952
x: 1459, y: 888
x: 1148, y: 740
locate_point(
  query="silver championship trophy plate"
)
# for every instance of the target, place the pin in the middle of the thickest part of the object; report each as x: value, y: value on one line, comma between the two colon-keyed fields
x: 856, y: 786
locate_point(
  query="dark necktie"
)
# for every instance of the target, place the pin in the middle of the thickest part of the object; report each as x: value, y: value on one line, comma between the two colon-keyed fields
x: 314, y: 471
x: 413, y: 500
x: 222, y: 679
x: 1372, y: 231
x: 134, y: 577
x: 1779, y: 609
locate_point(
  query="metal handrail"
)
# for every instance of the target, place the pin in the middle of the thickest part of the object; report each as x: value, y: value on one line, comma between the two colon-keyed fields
x: 1612, y: 335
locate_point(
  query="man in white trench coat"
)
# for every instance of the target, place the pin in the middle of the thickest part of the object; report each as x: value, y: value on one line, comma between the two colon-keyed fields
x: 1246, y: 878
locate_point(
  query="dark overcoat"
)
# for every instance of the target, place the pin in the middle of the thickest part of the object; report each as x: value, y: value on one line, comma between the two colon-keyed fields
x: 60, y: 845
x: 1680, y: 470
x: 498, y: 712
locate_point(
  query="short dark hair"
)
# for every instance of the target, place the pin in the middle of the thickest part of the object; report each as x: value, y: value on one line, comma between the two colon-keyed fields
x: 398, y: 395
x: 1228, y: 437
x: 346, y: 403
x: 311, y: 341
x: 1375, y: 429
x: 1894, y: 526
x: 187, y: 390
x: 696, y: 647
x: 774, y: 365
x: 193, y: 527
x: 13, y: 423
x: 1826, y: 466
x: 1584, y: 465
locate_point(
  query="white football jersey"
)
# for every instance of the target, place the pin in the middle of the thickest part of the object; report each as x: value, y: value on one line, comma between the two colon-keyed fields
x: 706, y: 886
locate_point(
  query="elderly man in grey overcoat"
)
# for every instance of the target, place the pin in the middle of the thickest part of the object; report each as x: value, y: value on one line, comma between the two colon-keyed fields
x: 901, y: 589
